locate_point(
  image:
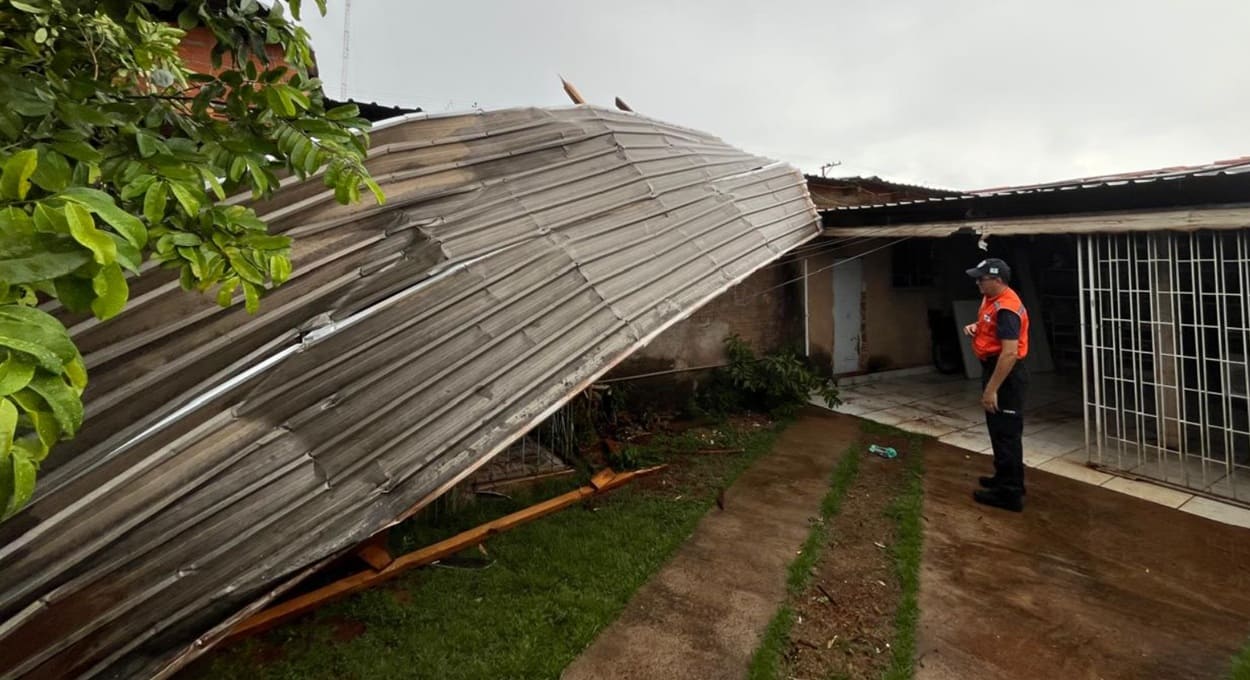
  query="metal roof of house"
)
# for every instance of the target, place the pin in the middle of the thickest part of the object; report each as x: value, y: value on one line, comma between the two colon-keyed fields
x: 1209, y: 196
x: 1232, y: 166
x: 830, y: 192
x: 520, y: 254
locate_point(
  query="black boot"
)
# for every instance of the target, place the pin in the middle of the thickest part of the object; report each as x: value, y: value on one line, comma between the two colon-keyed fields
x: 993, y: 483
x: 1004, y: 497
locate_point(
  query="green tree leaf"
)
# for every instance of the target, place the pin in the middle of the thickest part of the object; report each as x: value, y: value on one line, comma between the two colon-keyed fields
x: 15, y: 222
x: 225, y: 294
x: 111, y: 292
x: 16, y: 337
x: 138, y: 187
x: 251, y: 295
x: 76, y: 371
x: 83, y: 229
x: 154, y: 203
x: 51, y: 220
x: 53, y: 172
x: 343, y: 112
x: 8, y: 427
x: 149, y: 145
x: 15, y: 180
x: 64, y: 402
x: 79, y: 151
x: 244, y: 268
x: 279, y: 269
x: 75, y: 293
x: 7, y: 489
x: 39, y: 257
x: 46, y: 427
x: 267, y: 241
x: 21, y: 478
x: 102, y: 204
x: 44, y: 327
x: 210, y: 178
x: 15, y: 373
x: 186, y: 199
x: 27, y: 7
x: 128, y: 255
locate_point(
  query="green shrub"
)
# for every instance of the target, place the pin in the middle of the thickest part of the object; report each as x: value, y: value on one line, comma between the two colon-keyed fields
x: 778, y: 383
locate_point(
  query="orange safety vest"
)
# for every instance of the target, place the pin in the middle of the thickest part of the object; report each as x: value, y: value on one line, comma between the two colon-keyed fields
x: 986, y: 343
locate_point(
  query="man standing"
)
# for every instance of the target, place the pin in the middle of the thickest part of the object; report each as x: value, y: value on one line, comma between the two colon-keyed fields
x: 1000, y: 339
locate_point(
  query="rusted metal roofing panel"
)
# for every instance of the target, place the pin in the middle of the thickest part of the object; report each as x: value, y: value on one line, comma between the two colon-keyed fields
x: 519, y: 256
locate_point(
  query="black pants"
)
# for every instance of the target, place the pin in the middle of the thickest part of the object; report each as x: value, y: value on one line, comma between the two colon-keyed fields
x: 1007, y: 426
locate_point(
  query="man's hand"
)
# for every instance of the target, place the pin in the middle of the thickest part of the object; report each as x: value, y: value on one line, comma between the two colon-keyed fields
x: 970, y: 330
x: 990, y: 401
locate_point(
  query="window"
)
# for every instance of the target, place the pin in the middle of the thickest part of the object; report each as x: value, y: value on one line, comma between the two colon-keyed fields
x: 911, y: 263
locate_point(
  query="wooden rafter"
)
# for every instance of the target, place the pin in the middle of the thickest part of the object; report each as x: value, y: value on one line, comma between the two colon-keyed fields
x: 604, y: 481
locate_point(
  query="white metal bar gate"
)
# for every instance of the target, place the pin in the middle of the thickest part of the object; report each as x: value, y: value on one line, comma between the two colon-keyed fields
x: 1166, y: 328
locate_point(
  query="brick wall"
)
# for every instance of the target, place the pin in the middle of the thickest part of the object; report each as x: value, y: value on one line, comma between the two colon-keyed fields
x: 197, y: 47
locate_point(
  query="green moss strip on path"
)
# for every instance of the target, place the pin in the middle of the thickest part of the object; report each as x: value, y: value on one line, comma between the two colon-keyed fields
x: 543, y: 595
x: 766, y: 664
x: 908, y: 549
x: 905, y: 514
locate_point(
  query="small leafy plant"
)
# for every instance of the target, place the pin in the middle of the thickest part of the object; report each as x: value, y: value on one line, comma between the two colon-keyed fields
x: 778, y: 383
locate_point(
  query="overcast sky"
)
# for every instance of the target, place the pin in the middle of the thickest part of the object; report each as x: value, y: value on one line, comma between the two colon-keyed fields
x: 960, y: 94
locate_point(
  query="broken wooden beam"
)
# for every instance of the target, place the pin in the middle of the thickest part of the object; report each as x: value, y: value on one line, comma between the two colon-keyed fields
x: 374, y: 551
x: 604, y: 481
x: 572, y: 91
x: 602, y: 478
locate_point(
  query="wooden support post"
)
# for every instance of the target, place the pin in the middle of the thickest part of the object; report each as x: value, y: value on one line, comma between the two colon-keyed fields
x: 604, y: 481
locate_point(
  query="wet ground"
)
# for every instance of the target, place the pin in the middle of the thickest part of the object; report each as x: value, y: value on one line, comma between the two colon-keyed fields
x: 1086, y: 583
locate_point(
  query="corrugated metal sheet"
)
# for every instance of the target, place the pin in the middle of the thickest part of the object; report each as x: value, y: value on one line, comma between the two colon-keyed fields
x: 1232, y: 166
x: 520, y: 254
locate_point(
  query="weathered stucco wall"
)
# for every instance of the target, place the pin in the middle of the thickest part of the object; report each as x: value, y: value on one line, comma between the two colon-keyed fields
x: 765, y: 310
x: 895, y: 326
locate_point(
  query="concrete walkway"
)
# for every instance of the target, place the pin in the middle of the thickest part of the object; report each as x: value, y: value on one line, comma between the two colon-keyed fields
x: 704, y: 613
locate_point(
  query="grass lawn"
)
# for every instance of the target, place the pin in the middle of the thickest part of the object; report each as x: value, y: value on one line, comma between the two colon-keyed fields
x: 907, y: 513
x: 1241, y: 665
x: 542, y: 594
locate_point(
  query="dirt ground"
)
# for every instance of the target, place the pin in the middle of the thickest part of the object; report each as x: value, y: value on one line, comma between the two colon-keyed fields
x: 703, y: 614
x: 1086, y: 583
x: 844, y: 621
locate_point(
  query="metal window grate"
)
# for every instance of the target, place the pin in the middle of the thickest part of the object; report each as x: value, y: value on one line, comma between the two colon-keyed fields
x: 1166, y: 327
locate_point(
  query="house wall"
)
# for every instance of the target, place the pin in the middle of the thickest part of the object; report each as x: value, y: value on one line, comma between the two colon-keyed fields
x: 894, y: 332
x: 765, y: 310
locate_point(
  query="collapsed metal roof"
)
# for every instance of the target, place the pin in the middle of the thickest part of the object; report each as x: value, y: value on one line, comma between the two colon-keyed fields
x: 520, y: 255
